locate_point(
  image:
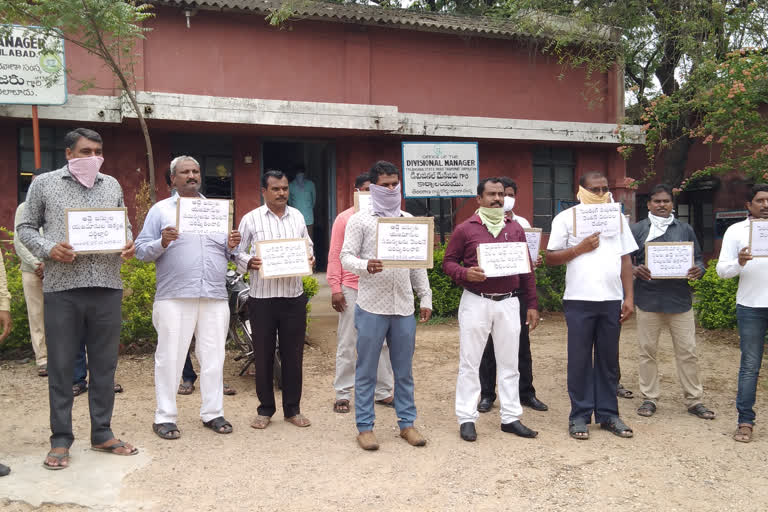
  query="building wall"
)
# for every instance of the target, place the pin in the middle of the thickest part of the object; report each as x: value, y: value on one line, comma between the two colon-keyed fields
x: 242, y: 56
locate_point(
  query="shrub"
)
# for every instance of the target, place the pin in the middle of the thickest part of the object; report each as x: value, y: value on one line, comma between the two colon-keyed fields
x: 445, y: 294
x: 138, y: 298
x: 715, y: 299
x: 550, y: 286
x: 19, y: 337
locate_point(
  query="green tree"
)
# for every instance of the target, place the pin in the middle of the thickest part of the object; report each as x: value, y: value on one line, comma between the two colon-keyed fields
x: 107, y: 29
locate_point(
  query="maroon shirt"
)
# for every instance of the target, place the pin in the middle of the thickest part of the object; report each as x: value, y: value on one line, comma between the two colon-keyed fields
x: 462, y: 248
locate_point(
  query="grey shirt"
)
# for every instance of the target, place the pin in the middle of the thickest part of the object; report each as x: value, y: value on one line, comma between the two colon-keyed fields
x: 47, y: 200
x: 664, y: 295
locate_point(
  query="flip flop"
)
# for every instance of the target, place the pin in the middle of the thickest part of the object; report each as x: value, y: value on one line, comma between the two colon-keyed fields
x: 229, y: 391
x: 113, y: 447
x: 623, y: 392
x: 42, y: 371
x: 341, y: 406
x: 261, y: 422
x: 59, y: 457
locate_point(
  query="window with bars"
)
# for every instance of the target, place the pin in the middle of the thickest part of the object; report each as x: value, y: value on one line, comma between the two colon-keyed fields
x: 51, y: 154
x: 553, y: 171
x: 431, y: 208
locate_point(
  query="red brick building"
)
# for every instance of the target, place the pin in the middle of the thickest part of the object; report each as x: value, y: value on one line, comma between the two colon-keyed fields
x: 333, y: 90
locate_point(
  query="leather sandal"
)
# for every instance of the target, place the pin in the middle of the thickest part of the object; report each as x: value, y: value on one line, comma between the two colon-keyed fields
x: 699, y: 410
x: 743, y: 433
x: 648, y: 409
x: 299, y: 420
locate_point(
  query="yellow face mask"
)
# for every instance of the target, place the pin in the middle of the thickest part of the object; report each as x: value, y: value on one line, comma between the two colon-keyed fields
x: 587, y: 197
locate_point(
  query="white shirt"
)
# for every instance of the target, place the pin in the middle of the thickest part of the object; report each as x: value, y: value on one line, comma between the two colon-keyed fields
x: 753, y: 276
x: 520, y: 220
x: 263, y: 224
x: 389, y: 292
x: 595, y: 275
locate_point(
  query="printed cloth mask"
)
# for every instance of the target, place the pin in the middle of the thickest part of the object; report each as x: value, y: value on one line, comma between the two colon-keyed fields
x: 587, y: 197
x: 85, y: 169
x: 509, y: 203
x: 385, y: 202
x: 659, y: 226
x: 492, y: 218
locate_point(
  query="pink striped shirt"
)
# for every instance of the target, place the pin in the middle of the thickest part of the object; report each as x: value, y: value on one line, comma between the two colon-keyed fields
x: 335, y: 274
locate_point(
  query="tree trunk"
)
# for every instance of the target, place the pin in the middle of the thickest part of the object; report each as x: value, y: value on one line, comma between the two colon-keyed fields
x: 675, y: 159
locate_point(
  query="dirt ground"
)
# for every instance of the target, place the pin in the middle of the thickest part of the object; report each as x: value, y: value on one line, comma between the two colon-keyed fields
x: 674, y: 462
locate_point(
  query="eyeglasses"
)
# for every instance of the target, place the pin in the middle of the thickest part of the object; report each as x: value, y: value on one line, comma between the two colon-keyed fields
x: 598, y: 190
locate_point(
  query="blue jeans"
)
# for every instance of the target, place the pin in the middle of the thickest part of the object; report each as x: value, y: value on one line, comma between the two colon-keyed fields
x: 753, y: 325
x: 372, y: 330
x: 81, y: 367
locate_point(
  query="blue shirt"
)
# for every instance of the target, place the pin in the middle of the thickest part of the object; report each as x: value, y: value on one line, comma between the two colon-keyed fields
x: 192, y: 266
x: 302, y: 197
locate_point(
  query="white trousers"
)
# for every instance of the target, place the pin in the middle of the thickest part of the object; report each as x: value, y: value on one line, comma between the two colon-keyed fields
x: 176, y: 320
x: 33, y: 295
x: 346, y: 341
x: 479, y: 317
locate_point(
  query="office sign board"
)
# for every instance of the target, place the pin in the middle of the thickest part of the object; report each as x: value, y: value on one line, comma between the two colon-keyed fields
x: 440, y: 169
x: 31, y: 67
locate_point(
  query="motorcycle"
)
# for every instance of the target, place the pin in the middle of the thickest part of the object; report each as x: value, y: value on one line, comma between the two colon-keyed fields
x: 240, y: 326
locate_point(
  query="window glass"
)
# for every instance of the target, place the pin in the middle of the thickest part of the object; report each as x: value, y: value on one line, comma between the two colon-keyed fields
x: 553, y: 170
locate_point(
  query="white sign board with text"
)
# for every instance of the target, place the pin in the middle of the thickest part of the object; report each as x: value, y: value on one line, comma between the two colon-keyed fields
x: 440, y: 169
x: 405, y: 241
x: 283, y: 258
x: 504, y: 259
x: 758, y: 238
x: 669, y: 260
x: 97, y: 230
x: 605, y: 218
x: 533, y: 238
x: 31, y: 67
x: 200, y: 216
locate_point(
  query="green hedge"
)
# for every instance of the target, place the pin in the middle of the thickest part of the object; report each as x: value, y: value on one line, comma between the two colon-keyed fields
x: 550, y: 286
x: 715, y: 299
x: 19, y: 337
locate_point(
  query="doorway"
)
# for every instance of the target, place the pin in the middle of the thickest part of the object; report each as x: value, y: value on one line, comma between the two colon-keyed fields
x: 317, y: 159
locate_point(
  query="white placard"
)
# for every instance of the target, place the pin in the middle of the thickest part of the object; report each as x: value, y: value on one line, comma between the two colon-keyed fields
x: 604, y: 218
x: 97, y: 230
x: 362, y: 200
x: 405, y: 241
x: 199, y: 216
x: 30, y: 74
x: 283, y: 258
x: 533, y: 238
x: 758, y: 238
x: 504, y: 259
x: 440, y: 169
x: 669, y: 260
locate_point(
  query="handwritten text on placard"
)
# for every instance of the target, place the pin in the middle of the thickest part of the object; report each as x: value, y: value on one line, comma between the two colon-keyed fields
x: 403, y: 242
x: 200, y: 216
x: 758, y: 238
x: 284, y: 258
x: 504, y: 259
x: 669, y: 260
x: 90, y: 231
x: 593, y: 218
x: 533, y: 238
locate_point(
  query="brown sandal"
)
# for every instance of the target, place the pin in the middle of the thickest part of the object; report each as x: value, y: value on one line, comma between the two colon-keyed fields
x: 261, y: 422
x: 743, y: 433
x: 299, y: 420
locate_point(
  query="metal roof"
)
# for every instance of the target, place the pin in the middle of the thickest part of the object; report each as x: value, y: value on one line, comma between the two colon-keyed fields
x: 404, y: 18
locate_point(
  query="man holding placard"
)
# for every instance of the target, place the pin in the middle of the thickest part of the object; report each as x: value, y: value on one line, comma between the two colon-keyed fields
x: 191, y: 298
x: 481, y: 258
x: 384, y: 309
x: 277, y: 305
x: 82, y: 291
x: 524, y: 360
x: 662, y: 300
x: 739, y: 257
x: 343, y: 298
x: 598, y: 278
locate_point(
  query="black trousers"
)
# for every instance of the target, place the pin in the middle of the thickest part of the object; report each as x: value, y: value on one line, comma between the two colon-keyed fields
x: 285, y: 318
x: 93, y: 315
x: 525, y: 363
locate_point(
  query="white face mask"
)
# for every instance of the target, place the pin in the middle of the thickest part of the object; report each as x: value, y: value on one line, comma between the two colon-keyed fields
x: 509, y: 203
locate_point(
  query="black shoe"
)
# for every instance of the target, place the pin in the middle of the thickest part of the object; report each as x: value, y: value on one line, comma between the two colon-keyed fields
x: 535, y: 404
x: 518, y: 429
x: 467, y: 431
x: 79, y: 388
x: 484, y: 405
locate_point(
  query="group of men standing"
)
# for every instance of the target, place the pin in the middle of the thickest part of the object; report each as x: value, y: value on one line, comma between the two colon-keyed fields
x: 83, y: 292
